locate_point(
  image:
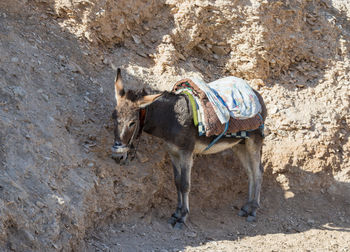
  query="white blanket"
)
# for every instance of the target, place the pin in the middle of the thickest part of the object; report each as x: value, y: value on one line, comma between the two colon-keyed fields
x: 240, y: 99
x: 220, y: 109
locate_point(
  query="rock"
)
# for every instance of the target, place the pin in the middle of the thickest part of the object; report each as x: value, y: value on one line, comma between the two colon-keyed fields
x: 87, y: 99
x: 219, y: 50
x: 19, y: 91
x: 106, y: 61
x: 75, y: 68
x: 300, y: 85
x: 288, y: 195
x: 136, y: 39
x: 141, y: 157
x: 166, y: 39
x: 45, y: 96
x: 273, y: 110
x: 14, y: 59
x: 203, y: 49
x: 258, y: 83
x: 39, y: 204
x: 191, y: 234
x: 142, y: 54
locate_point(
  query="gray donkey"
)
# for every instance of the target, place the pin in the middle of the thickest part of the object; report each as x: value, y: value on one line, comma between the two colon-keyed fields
x: 168, y: 116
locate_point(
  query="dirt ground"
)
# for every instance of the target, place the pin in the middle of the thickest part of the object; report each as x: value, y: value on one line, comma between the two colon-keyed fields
x: 306, y: 222
x: 61, y: 191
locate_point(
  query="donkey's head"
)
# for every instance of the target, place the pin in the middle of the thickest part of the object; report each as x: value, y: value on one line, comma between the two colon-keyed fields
x: 127, y: 118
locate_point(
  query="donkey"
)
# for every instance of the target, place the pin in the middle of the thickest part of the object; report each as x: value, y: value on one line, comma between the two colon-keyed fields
x: 168, y: 116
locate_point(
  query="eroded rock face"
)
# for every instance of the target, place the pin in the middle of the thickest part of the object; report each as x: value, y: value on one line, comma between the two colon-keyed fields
x: 104, y: 22
x: 259, y: 39
x: 57, y: 178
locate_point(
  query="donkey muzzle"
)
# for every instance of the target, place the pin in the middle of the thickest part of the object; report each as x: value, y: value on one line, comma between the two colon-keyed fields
x: 120, y: 152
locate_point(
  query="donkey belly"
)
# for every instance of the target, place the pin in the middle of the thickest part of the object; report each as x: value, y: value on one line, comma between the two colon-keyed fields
x: 222, y: 145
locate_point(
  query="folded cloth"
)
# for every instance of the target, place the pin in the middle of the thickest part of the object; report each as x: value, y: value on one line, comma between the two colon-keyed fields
x: 238, y: 96
x: 219, y: 107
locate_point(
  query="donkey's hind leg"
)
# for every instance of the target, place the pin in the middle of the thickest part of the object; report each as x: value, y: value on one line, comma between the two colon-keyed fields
x: 250, y: 157
x: 182, y: 164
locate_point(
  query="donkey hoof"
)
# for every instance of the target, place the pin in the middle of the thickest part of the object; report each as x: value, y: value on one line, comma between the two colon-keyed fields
x: 242, y: 213
x: 172, y: 220
x: 251, y: 218
x: 179, y: 225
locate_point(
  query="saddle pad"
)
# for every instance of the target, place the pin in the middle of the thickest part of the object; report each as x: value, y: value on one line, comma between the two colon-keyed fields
x: 212, y: 124
x: 238, y: 96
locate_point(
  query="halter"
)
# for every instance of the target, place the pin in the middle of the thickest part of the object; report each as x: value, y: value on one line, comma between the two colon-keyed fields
x: 138, y: 130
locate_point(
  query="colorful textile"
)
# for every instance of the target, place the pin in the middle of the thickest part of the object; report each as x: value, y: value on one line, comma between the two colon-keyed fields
x: 194, y: 107
x: 220, y: 109
x: 238, y: 96
x: 201, y: 126
x: 240, y: 134
x: 211, y: 124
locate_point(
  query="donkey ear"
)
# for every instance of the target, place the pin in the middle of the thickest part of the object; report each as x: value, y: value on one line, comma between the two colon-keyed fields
x: 147, y: 100
x: 118, y: 85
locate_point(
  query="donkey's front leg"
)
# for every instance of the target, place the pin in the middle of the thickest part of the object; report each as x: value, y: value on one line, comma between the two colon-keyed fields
x: 177, y: 178
x: 186, y: 167
x: 182, y: 163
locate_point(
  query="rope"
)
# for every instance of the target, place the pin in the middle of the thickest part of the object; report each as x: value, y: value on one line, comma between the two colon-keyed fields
x: 217, y: 138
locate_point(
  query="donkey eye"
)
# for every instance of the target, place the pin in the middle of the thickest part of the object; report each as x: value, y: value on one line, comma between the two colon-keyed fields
x: 131, y: 124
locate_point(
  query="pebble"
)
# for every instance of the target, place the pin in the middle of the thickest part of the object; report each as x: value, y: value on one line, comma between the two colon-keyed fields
x: 19, y: 91
x: 141, y: 157
x: 219, y: 50
x: 75, y: 68
x: 106, y: 61
x: 45, y: 96
x: 273, y: 110
x: 14, y: 59
x: 191, y: 234
x: 288, y: 195
x: 142, y: 54
x: 136, y: 39
x: 87, y: 99
x: 39, y: 204
x: 203, y: 50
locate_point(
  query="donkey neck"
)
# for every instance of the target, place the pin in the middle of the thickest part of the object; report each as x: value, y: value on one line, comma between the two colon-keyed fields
x: 168, y: 116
